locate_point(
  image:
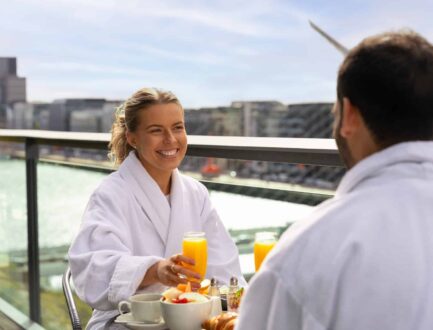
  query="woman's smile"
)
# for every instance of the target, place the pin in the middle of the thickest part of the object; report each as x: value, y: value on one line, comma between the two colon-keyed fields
x: 171, y: 153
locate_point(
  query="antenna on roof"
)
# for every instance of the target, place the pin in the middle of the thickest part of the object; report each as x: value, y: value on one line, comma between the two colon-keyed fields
x: 334, y: 42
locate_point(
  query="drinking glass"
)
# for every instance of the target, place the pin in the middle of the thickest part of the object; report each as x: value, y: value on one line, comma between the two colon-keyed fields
x: 194, y: 246
x: 264, y: 242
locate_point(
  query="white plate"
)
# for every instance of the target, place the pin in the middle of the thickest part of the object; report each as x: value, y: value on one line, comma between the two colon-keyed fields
x: 130, y: 323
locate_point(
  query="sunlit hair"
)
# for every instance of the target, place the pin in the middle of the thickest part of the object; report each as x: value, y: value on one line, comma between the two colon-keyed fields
x: 127, y: 119
x: 389, y: 77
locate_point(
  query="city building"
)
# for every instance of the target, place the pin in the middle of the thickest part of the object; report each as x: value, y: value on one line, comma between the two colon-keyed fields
x: 108, y: 114
x: 41, y: 115
x: 12, y: 89
x: 225, y: 121
x: 260, y: 118
x: 62, y: 119
x: 20, y: 116
x: 306, y: 120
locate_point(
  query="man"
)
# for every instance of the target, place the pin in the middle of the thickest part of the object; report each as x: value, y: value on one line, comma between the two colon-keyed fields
x: 364, y: 259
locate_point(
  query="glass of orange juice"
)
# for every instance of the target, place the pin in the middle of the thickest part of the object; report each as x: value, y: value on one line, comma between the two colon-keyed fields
x: 264, y: 242
x: 194, y: 246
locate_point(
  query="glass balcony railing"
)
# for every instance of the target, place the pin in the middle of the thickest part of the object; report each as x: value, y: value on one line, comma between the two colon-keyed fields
x: 47, y: 178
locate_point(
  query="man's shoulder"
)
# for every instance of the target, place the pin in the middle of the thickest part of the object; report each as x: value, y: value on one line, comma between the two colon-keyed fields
x: 339, y: 228
x: 327, y: 229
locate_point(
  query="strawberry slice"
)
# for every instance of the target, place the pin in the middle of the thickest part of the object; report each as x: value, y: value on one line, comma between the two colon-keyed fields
x: 180, y: 301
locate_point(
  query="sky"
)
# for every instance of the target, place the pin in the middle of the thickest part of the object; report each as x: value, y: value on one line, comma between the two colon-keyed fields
x: 209, y: 53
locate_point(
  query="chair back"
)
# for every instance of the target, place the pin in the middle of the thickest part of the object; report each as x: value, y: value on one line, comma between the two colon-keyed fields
x: 72, y: 309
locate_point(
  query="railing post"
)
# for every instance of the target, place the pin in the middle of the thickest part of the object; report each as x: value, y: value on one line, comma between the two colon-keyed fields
x: 32, y: 155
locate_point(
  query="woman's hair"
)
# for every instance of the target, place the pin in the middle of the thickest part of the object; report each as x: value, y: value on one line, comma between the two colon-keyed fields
x: 127, y: 119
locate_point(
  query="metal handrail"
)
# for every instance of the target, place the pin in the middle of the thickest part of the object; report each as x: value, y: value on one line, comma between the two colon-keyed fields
x: 289, y: 150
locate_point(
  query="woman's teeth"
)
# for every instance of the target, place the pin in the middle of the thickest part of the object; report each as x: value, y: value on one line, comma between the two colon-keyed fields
x: 168, y: 153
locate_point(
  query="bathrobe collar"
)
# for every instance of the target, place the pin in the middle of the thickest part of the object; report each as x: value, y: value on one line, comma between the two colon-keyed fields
x: 170, y: 221
x: 420, y: 152
x: 148, y: 194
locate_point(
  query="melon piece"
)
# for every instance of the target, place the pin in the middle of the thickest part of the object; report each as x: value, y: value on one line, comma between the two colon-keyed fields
x: 193, y: 297
x: 171, y: 293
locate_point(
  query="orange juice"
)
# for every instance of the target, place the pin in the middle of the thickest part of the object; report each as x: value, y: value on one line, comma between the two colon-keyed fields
x: 264, y: 243
x: 195, y: 246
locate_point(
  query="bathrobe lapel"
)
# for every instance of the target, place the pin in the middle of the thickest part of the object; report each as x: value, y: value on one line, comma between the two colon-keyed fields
x: 181, y: 217
x: 148, y: 194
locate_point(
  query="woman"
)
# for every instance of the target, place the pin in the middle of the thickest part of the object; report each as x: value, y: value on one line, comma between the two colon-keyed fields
x: 132, y: 229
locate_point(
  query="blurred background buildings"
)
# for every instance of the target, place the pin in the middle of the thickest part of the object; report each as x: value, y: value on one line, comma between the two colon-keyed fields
x: 241, y: 118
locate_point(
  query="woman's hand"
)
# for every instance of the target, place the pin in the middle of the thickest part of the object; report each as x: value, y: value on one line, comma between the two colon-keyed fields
x: 170, y: 272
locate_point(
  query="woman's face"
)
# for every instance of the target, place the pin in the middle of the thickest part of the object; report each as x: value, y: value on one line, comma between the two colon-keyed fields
x: 160, y: 138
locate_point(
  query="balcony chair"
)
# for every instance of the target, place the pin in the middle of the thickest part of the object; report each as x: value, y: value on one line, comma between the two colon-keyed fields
x: 72, y: 309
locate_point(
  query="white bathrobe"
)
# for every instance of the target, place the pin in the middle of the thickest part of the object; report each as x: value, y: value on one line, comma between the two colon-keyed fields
x: 362, y: 261
x: 129, y: 225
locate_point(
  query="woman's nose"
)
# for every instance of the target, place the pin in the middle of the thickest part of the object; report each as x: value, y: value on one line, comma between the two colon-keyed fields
x: 169, y: 137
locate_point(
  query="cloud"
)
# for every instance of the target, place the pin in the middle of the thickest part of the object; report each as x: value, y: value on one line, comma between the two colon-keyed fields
x: 88, y: 68
x: 247, y: 18
x: 207, y: 52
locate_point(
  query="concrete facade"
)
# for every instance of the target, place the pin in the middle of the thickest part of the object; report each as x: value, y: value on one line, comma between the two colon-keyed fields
x: 61, y: 110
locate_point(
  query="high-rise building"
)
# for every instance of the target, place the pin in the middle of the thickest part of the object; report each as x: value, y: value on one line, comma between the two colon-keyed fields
x: 12, y: 87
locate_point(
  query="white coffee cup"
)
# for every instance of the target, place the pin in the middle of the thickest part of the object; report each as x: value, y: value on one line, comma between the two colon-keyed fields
x: 144, y: 307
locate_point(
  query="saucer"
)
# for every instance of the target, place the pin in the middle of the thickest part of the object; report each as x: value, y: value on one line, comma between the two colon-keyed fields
x: 146, y: 326
x: 124, y: 318
x: 127, y: 320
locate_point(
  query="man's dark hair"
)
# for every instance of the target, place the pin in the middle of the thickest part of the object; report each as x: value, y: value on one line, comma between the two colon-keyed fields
x: 389, y: 77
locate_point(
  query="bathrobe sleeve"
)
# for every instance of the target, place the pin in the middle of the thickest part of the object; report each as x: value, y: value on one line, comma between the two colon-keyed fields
x: 104, y: 270
x: 269, y: 305
x: 223, y: 255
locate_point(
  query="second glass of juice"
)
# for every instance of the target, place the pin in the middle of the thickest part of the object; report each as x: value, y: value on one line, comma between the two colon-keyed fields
x: 264, y: 242
x: 194, y: 246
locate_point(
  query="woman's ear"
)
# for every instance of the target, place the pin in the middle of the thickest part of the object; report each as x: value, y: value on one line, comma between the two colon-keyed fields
x: 351, y: 121
x: 131, y: 138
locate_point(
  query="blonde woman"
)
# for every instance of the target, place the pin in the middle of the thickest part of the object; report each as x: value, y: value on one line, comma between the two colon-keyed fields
x: 132, y: 229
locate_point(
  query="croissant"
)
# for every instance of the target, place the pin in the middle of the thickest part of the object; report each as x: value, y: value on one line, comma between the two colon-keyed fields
x: 220, y: 322
x: 230, y: 325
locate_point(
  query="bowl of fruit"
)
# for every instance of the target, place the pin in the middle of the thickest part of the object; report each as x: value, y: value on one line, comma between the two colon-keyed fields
x: 185, y: 310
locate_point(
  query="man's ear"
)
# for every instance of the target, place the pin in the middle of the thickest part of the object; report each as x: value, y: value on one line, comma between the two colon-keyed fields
x: 351, y: 121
